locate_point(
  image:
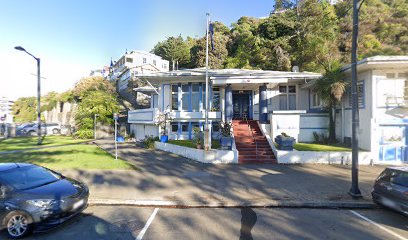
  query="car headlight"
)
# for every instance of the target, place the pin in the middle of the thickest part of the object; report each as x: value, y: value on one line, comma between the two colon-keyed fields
x: 43, y: 203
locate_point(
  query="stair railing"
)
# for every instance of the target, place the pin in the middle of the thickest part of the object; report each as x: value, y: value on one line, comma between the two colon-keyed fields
x: 253, y: 137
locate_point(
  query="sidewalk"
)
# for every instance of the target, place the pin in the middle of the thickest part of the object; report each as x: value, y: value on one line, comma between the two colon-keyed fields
x: 167, y: 179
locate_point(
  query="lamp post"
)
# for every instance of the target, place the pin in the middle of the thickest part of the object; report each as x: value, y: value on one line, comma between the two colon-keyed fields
x: 354, y: 190
x: 19, y: 48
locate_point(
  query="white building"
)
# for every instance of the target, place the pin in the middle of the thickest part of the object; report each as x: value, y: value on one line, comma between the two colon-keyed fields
x: 5, y: 110
x: 285, y: 102
x: 136, y: 63
x: 383, y: 108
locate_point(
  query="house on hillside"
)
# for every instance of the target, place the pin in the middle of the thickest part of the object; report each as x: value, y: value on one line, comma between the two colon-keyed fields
x: 284, y: 102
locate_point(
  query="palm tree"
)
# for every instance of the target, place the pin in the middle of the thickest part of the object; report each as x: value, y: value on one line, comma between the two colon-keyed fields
x: 331, y: 88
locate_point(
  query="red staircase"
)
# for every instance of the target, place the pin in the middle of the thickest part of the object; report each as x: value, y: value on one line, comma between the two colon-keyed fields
x: 248, y: 150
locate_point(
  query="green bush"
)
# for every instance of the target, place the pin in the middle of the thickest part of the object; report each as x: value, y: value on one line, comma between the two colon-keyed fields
x: 148, y: 142
x: 84, y: 134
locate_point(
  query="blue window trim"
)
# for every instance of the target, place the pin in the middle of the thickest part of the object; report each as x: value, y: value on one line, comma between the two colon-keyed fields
x: 190, y: 129
x: 200, y: 90
x: 179, y: 94
x: 250, y: 105
x: 210, y: 92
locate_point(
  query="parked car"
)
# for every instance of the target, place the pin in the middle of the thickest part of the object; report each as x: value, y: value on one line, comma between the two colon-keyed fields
x: 391, y: 189
x: 48, y: 128
x: 20, y: 130
x: 33, y: 198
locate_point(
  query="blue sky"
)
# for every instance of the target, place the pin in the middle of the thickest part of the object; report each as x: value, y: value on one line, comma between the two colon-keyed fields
x: 73, y: 37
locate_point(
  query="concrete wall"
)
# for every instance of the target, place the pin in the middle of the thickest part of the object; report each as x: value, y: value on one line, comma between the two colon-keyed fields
x: 298, y: 124
x: 62, y: 113
x: 212, y: 156
x: 140, y: 131
x: 290, y: 157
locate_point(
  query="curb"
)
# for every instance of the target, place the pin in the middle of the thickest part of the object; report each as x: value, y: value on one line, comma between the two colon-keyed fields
x: 269, y: 204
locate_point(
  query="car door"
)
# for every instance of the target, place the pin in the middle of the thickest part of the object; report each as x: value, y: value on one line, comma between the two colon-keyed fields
x: 383, y: 183
x: 399, y: 187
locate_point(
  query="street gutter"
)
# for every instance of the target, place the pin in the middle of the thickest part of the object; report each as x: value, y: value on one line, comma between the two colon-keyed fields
x: 266, y: 204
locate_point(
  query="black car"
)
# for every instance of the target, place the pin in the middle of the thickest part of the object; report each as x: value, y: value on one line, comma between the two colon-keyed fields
x: 33, y: 198
x: 391, y: 189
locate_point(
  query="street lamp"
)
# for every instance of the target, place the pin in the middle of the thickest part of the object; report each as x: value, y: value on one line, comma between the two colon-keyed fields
x: 19, y: 48
x: 354, y: 190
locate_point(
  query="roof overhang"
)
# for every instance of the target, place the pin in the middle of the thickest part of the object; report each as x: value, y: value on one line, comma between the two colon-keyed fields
x: 379, y: 62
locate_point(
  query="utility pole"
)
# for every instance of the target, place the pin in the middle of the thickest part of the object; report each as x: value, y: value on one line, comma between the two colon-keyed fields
x: 354, y: 190
x: 207, y: 143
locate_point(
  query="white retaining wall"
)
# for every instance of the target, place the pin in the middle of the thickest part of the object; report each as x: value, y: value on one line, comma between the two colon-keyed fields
x: 285, y: 157
x: 212, y: 156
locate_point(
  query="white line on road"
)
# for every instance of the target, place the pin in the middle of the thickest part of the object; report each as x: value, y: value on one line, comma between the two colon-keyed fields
x: 378, y: 225
x: 149, y: 221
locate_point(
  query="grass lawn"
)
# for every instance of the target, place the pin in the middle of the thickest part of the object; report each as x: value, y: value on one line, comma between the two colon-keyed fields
x: 319, y: 147
x: 79, y: 156
x: 20, y: 143
x: 215, y: 144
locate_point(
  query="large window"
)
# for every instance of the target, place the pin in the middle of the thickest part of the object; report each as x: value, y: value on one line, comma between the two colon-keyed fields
x: 287, y: 97
x: 216, y: 100
x: 195, y: 97
x: 203, y: 98
x: 316, y: 102
x: 392, y: 92
x: 129, y: 60
x: 174, y: 97
x: 185, y: 97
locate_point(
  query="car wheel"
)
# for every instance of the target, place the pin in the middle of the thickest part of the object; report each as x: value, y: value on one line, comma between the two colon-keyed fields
x: 18, y: 224
x: 55, y: 131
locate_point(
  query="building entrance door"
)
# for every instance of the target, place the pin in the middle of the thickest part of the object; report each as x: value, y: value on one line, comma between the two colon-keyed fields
x: 241, y: 106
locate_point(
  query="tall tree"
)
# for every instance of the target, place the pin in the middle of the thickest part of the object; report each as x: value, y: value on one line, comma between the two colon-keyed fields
x: 174, y: 49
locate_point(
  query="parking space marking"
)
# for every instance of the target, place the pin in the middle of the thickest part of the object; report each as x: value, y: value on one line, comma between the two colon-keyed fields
x: 378, y: 225
x: 149, y: 221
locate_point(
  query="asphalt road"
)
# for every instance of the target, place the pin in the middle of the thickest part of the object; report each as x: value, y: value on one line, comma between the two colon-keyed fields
x: 122, y: 223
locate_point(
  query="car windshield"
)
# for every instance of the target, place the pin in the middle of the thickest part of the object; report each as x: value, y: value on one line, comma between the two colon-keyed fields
x: 23, y: 178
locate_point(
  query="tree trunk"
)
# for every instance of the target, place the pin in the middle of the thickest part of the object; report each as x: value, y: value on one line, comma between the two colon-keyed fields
x: 332, y: 125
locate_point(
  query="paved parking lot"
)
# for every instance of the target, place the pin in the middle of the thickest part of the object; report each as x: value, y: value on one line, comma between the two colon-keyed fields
x: 123, y: 223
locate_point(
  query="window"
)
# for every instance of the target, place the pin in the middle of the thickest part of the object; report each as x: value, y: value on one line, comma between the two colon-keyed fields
x: 216, y: 100
x: 195, y: 125
x: 174, y: 97
x: 184, y: 127
x: 400, y: 178
x: 215, y: 126
x: 164, y: 65
x: 360, y: 94
x: 195, y: 97
x: 287, y: 97
x: 144, y: 60
x: 129, y: 60
x: 316, y: 100
x: 392, y: 92
x: 154, y: 62
x: 185, y: 97
x: 155, y: 100
x: 174, y: 127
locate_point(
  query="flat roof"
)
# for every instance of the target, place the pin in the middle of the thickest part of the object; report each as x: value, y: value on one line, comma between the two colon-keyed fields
x: 394, y: 61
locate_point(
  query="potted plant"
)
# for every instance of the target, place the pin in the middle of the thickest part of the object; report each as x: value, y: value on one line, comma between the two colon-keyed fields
x: 161, y: 121
x: 285, y: 142
x: 198, y: 138
x: 226, y: 138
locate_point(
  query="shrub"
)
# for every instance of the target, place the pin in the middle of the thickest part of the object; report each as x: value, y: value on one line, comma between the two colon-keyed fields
x: 316, y: 137
x: 226, y: 129
x: 84, y: 134
x: 148, y: 142
x: 198, y: 136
